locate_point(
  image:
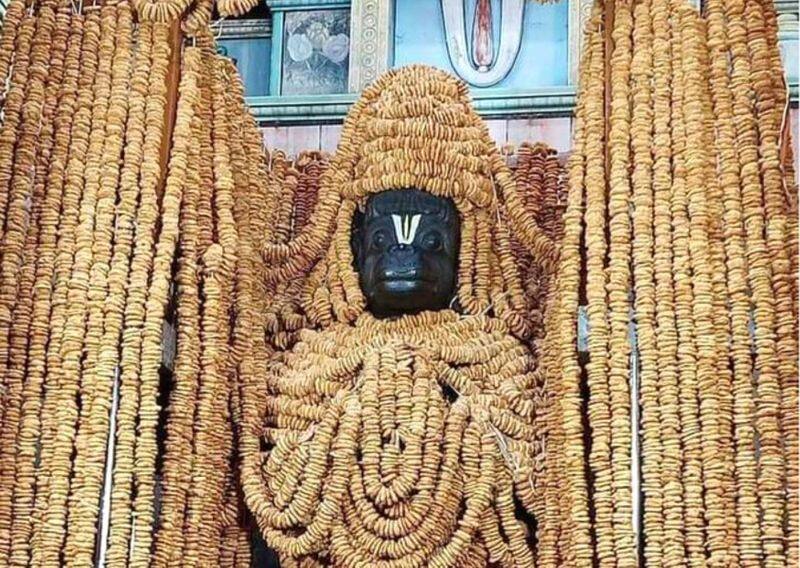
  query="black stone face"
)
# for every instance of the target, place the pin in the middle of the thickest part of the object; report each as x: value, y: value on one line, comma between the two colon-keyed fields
x: 405, y: 246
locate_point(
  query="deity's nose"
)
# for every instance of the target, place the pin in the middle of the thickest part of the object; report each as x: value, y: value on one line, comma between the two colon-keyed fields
x: 402, y: 251
x: 405, y: 262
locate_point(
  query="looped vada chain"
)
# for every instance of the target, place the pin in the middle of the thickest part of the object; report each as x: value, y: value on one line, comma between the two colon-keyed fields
x: 429, y: 440
x: 675, y: 199
x: 397, y: 444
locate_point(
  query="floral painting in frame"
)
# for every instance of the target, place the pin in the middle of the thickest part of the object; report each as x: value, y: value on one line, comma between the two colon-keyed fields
x: 316, y: 52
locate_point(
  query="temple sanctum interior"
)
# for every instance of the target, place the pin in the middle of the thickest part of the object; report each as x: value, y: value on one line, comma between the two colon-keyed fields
x: 399, y: 283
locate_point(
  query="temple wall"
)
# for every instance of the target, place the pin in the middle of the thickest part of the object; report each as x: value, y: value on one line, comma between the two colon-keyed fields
x: 553, y: 131
x: 304, y: 62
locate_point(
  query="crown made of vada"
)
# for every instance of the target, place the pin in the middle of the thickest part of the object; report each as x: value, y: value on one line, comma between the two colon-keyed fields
x: 415, y: 128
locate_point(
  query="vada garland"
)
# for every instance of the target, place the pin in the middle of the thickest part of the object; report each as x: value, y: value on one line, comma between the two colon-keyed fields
x: 410, y: 439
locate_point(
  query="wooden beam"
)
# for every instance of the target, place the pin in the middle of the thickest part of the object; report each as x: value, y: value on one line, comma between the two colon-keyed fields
x: 171, y: 108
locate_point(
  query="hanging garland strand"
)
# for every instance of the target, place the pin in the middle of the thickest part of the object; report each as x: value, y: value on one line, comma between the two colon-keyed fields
x: 642, y: 124
x: 692, y: 469
x: 182, y: 406
x: 54, y: 138
x: 785, y: 202
x: 154, y: 44
x: 145, y: 450
x: 18, y: 264
x: 74, y: 295
x: 596, y: 248
x: 747, y: 542
x: 767, y: 405
x: 104, y: 301
x: 723, y: 370
x: 618, y: 280
x: 211, y: 445
x: 14, y: 98
x: 702, y: 292
x: 19, y: 234
x: 769, y: 113
x: 12, y: 18
x: 566, y: 497
x: 59, y: 410
x: 666, y: 331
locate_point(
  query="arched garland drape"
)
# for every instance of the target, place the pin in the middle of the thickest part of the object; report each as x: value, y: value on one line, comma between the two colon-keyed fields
x: 682, y: 221
x: 688, y: 230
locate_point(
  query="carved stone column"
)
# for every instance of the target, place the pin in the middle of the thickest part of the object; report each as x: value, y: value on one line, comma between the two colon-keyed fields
x: 370, y: 41
x: 579, y: 13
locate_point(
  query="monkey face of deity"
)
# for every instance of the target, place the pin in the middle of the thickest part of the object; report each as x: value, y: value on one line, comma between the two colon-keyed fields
x: 405, y: 247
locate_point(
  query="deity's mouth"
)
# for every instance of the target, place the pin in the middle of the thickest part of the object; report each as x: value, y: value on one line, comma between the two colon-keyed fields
x: 404, y: 277
x: 399, y: 285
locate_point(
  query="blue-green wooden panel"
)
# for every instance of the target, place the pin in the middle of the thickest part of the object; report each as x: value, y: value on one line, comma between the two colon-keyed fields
x: 252, y: 58
x: 790, y: 45
x: 284, y: 5
x: 490, y: 103
x: 276, y: 56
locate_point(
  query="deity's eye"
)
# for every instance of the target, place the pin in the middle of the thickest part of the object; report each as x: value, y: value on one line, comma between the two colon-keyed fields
x: 379, y: 240
x: 432, y: 241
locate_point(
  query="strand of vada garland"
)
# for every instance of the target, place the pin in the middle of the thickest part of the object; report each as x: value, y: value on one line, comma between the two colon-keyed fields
x: 566, y: 535
x: 106, y: 296
x: 596, y: 297
x: 59, y: 411
x: 695, y: 78
x: 60, y: 96
x: 19, y: 44
x: 150, y: 359
x: 212, y: 443
x: 666, y: 335
x: 85, y: 173
x: 761, y: 295
x: 715, y: 193
x: 177, y: 470
x: 17, y: 186
x: 10, y: 464
x: 770, y: 97
x: 748, y: 548
x: 198, y: 509
x: 245, y: 161
x: 140, y: 173
x: 643, y: 273
x: 711, y: 239
x: 18, y: 263
x: 618, y: 279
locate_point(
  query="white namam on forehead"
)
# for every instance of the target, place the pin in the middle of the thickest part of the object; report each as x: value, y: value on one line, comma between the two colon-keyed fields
x: 405, y: 228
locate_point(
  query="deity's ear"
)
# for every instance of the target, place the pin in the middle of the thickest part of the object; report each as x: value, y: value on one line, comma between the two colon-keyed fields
x: 356, y: 239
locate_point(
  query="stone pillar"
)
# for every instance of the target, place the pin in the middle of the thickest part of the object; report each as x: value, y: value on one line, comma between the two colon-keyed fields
x: 371, y: 32
x: 579, y: 13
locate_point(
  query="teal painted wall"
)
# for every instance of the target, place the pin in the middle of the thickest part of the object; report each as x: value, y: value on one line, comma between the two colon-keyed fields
x: 252, y: 57
x: 542, y: 60
x: 790, y: 45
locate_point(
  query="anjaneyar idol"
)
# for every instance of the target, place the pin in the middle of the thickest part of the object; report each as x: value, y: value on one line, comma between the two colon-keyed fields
x: 405, y: 422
